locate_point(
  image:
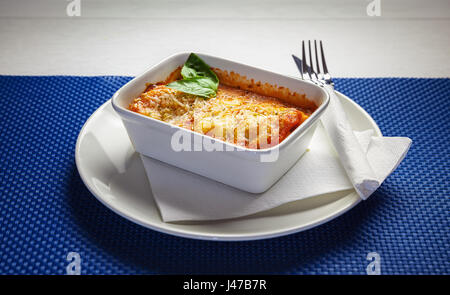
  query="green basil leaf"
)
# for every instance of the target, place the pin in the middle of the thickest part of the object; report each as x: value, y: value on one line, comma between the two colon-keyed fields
x: 196, y: 67
x: 198, y: 78
x: 200, y: 86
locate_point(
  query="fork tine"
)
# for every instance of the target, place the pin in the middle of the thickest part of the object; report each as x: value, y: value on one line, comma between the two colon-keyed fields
x: 311, y: 66
x: 317, y: 59
x: 324, y: 64
x: 304, y: 67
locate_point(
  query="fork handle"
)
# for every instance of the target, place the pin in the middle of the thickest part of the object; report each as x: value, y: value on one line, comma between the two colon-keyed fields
x: 352, y: 156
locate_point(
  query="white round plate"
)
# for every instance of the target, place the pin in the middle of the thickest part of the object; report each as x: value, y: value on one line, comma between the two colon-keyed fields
x: 115, y: 175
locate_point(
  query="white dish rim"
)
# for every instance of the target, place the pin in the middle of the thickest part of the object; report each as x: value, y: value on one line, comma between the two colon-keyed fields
x: 303, y: 127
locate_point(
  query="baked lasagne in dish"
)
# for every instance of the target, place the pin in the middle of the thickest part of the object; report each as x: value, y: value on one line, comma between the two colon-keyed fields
x: 243, y: 112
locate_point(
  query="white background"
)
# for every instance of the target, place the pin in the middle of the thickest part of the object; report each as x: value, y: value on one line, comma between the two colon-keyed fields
x: 411, y: 38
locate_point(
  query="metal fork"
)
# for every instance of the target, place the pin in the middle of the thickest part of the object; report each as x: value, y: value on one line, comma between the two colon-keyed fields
x: 308, y: 72
x: 337, y: 125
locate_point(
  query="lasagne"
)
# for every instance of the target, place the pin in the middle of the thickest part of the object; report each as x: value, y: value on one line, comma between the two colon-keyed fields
x: 241, y: 114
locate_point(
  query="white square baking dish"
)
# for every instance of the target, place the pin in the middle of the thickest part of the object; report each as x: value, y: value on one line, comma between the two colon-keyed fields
x: 247, y: 169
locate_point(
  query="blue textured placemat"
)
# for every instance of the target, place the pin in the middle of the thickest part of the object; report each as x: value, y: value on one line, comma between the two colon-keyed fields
x: 46, y: 211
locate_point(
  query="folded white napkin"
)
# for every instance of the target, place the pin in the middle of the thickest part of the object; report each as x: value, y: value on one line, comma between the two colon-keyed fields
x: 181, y: 195
x: 352, y: 155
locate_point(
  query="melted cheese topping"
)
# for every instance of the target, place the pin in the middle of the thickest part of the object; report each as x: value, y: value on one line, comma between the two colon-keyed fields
x: 237, y: 116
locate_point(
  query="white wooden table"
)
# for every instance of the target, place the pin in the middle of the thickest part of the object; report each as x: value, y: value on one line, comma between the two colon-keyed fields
x: 409, y: 39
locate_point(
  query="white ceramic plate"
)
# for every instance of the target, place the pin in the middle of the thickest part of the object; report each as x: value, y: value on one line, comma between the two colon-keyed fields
x: 114, y: 174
